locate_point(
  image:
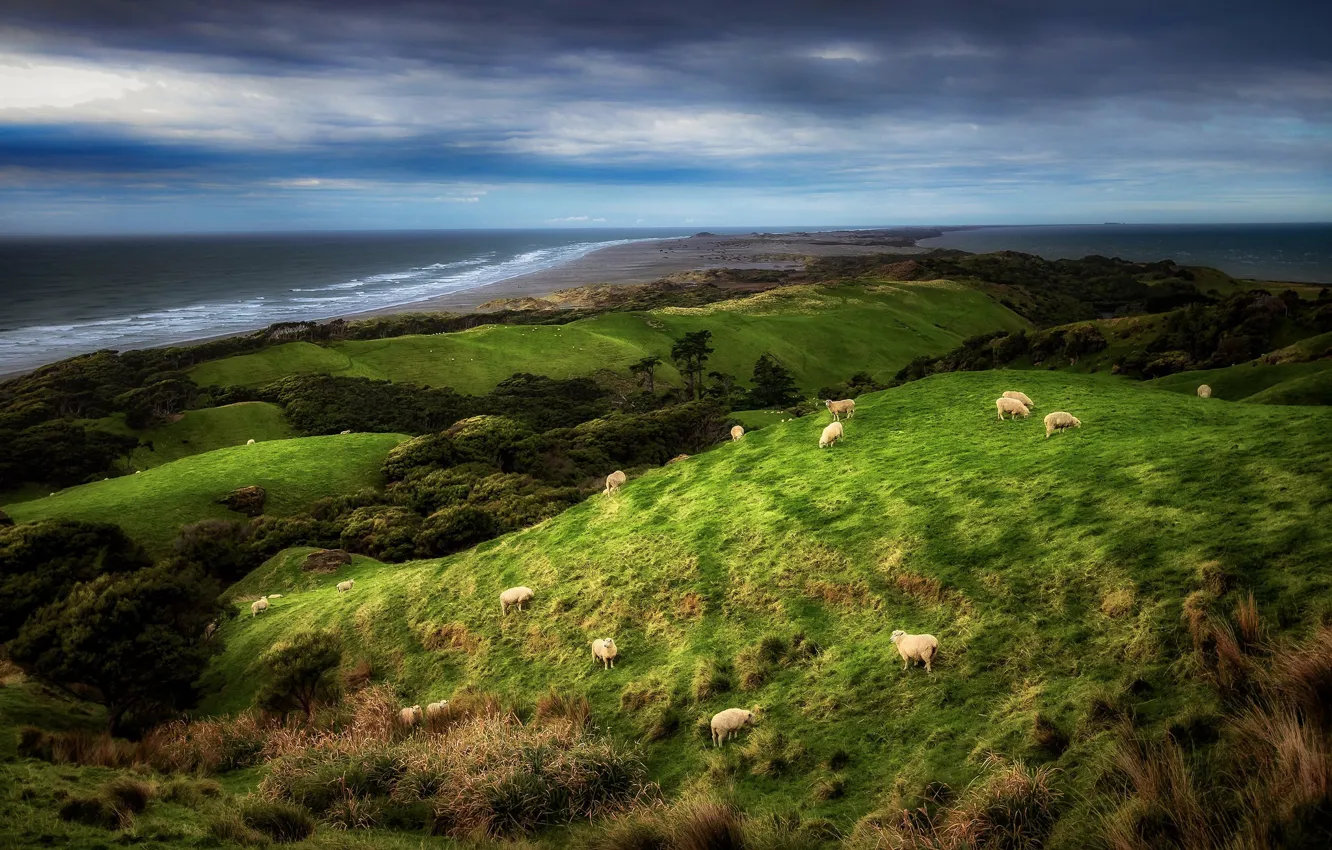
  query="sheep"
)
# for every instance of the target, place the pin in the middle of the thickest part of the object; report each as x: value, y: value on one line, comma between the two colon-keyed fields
x: 1060, y: 421
x: 259, y: 606
x: 1011, y: 406
x: 344, y: 433
x: 727, y: 723
x: 604, y: 650
x: 831, y: 434
x: 436, y: 710
x: 409, y: 717
x: 613, y: 482
x: 845, y: 407
x: 1204, y: 391
x: 344, y: 586
x: 1022, y: 397
x: 275, y: 596
x: 737, y: 432
x: 249, y: 442
x: 915, y: 648
x: 515, y: 596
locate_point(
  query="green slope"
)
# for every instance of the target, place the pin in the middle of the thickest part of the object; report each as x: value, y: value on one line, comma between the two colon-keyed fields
x: 1052, y: 570
x: 198, y: 431
x: 151, y: 505
x: 1282, y: 383
x: 822, y: 333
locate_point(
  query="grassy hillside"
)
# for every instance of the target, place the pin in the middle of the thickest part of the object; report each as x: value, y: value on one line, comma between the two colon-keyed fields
x: 1283, y: 383
x: 151, y: 505
x: 197, y: 431
x: 1052, y: 570
x: 822, y: 333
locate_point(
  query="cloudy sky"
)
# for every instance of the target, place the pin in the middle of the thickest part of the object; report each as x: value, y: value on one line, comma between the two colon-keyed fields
x: 148, y: 115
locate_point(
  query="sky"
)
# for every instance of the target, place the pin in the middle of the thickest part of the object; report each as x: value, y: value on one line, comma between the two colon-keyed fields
x: 218, y: 115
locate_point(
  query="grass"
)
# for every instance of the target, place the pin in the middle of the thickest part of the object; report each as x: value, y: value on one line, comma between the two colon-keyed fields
x: 823, y: 334
x: 1261, y: 383
x: 151, y: 505
x: 753, y: 420
x: 198, y: 431
x: 1053, y: 572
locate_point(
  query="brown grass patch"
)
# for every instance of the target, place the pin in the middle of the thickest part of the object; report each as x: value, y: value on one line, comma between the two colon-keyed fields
x: 449, y: 637
x: 850, y: 596
x: 691, y: 606
x: 1118, y: 602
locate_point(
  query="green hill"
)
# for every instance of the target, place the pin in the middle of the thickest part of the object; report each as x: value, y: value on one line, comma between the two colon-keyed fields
x: 151, y: 505
x: 1052, y: 570
x: 1281, y: 383
x: 197, y: 431
x: 822, y: 333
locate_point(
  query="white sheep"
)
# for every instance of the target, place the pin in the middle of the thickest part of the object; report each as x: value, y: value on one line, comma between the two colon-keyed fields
x: 348, y: 431
x: 409, y: 717
x: 1022, y: 397
x: 1060, y: 421
x: 259, y: 606
x: 727, y: 723
x: 613, y: 482
x: 604, y: 650
x: 249, y: 442
x: 915, y: 648
x: 846, y: 407
x: 515, y: 596
x: 1011, y: 406
x: 275, y: 596
x: 436, y: 710
x: 344, y: 586
x: 737, y: 432
x: 1204, y: 391
x: 831, y: 434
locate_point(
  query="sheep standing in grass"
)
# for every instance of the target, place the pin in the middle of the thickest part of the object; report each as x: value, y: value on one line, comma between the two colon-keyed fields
x: 344, y: 433
x: 259, y: 606
x: 436, y: 710
x: 604, y: 650
x: 1011, y: 406
x: 915, y: 648
x: 409, y: 717
x: 846, y: 407
x: 1204, y: 391
x: 831, y: 434
x: 249, y: 442
x: 1060, y: 421
x: 1022, y: 397
x: 515, y: 596
x: 614, y: 482
x: 727, y: 723
x: 737, y: 432
x: 344, y: 586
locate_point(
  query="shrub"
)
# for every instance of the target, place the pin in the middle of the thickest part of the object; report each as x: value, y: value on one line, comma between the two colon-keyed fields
x: 280, y: 821
x: 453, y: 529
x: 92, y: 811
x: 705, y: 825
x: 712, y: 678
x: 128, y: 793
x: 556, y: 706
x: 230, y: 826
x: 300, y: 672
x: 219, y: 547
x: 384, y: 532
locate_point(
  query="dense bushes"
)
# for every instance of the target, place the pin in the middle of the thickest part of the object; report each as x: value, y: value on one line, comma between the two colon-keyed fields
x: 59, y: 453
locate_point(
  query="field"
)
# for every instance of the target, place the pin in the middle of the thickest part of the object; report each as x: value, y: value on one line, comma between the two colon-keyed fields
x: 1052, y: 570
x: 823, y: 334
x: 197, y: 431
x: 151, y: 505
x: 1282, y: 383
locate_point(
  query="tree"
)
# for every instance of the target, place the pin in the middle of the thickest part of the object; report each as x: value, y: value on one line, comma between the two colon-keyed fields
x: 690, y: 353
x: 646, y: 369
x: 723, y: 387
x: 219, y: 547
x: 131, y: 642
x: 774, y: 386
x: 300, y: 673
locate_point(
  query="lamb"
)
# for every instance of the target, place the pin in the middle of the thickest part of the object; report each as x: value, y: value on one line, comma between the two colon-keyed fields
x: 344, y: 586
x: 737, y: 432
x: 1011, y: 406
x: 915, y: 648
x: 1204, y: 391
x: 259, y: 606
x: 409, y: 717
x: 613, y: 482
x: 727, y: 723
x: 1060, y: 421
x: 846, y: 407
x: 831, y: 434
x: 515, y: 596
x: 249, y: 442
x: 604, y: 650
x: 1022, y: 397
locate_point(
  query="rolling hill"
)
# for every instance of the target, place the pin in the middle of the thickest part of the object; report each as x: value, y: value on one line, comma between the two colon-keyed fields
x: 1257, y: 382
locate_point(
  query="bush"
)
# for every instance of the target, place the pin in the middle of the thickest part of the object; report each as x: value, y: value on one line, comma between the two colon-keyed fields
x: 383, y: 532
x: 230, y: 826
x: 453, y: 529
x: 91, y: 811
x: 712, y: 678
x: 300, y: 671
x: 128, y: 793
x: 282, y: 822
x: 219, y: 547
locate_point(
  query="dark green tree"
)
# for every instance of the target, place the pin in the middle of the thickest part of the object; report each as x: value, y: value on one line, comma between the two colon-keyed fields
x: 723, y: 388
x: 300, y: 672
x: 646, y: 369
x: 690, y: 353
x: 774, y: 386
x: 131, y: 642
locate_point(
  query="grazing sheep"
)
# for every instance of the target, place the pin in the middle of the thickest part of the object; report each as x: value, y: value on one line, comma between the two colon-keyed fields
x: 259, y: 606
x: 436, y: 710
x: 1011, y: 406
x: 1022, y: 397
x: 737, y: 432
x: 613, y: 482
x: 604, y: 650
x: 727, y: 723
x: 915, y: 648
x: 1204, y: 391
x: 275, y: 596
x: 348, y: 431
x: 249, y: 442
x: 846, y: 407
x: 831, y: 434
x: 515, y: 596
x: 344, y: 586
x: 1060, y: 421
x: 409, y: 717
